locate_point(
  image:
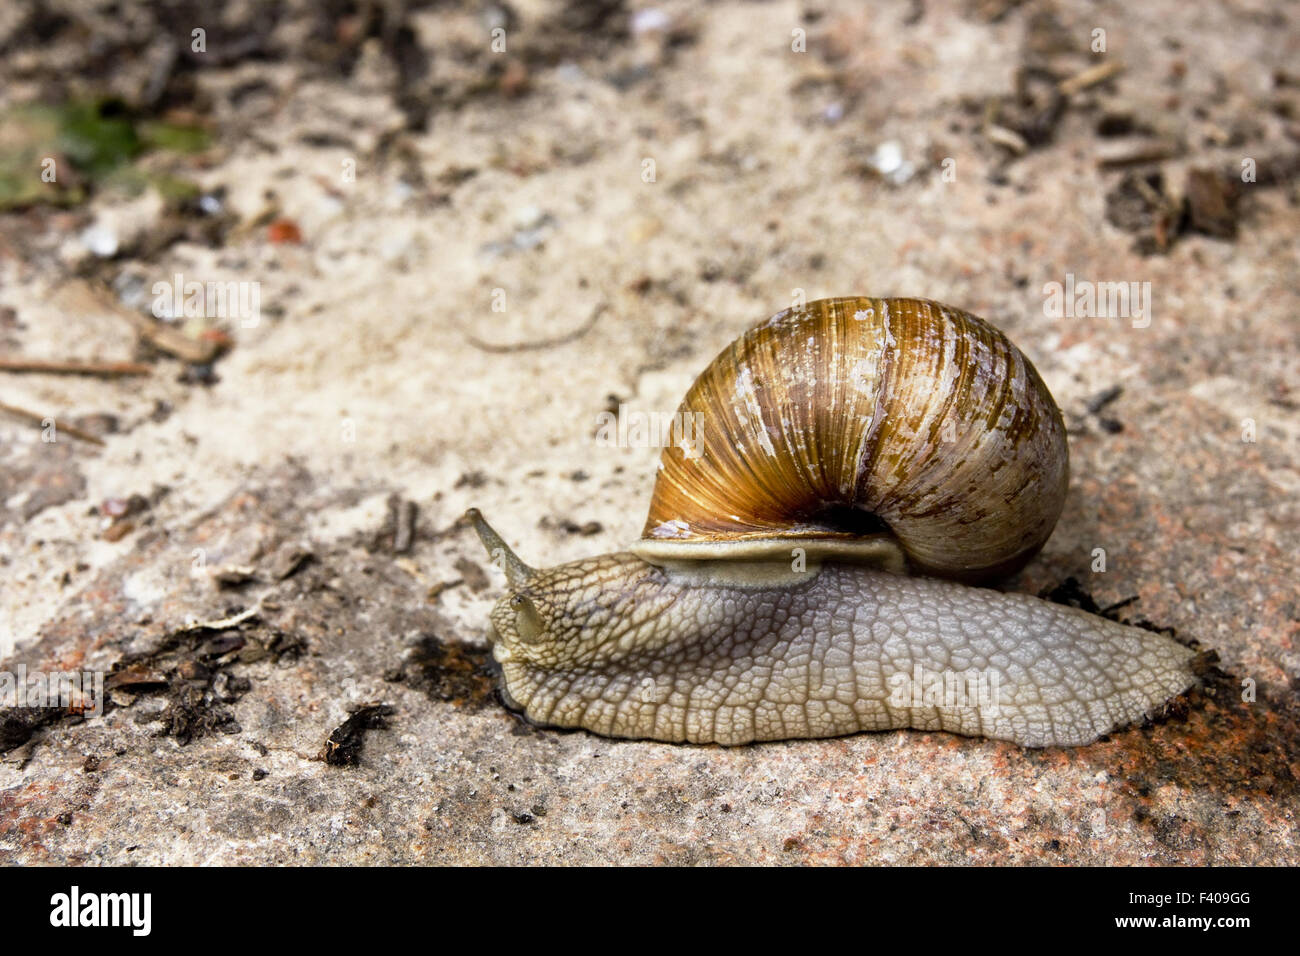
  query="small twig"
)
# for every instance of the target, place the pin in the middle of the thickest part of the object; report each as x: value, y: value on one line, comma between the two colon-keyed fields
x: 405, y: 521
x: 1154, y: 199
x: 109, y: 369
x: 1103, y: 398
x: 435, y: 591
x: 222, y: 624
x: 97, y: 297
x: 1111, y: 608
x: 1006, y: 138
x: 39, y: 420
x: 541, y: 343
x: 1090, y: 77
x: 1137, y: 153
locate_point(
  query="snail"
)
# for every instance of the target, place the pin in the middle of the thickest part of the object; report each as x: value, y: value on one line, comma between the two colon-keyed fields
x: 811, y: 565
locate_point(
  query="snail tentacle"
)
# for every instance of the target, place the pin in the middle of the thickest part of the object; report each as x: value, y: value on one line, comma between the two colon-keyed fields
x: 517, y: 573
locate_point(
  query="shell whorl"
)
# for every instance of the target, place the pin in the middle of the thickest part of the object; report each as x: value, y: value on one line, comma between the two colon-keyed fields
x: 905, y: 411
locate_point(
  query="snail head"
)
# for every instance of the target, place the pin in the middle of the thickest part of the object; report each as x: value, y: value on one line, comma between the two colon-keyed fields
x: 570, y: 615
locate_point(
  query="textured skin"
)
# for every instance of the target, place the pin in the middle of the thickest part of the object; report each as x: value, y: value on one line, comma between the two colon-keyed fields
x: 627, y: 649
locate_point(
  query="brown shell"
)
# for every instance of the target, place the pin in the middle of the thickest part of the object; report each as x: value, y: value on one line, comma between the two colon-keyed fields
x: 902, y: 411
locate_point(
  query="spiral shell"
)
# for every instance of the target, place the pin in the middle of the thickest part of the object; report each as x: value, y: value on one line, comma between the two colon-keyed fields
x: 902, y: 417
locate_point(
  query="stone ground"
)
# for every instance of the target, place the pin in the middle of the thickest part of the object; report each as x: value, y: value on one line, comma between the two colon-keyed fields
x: 351, y: 717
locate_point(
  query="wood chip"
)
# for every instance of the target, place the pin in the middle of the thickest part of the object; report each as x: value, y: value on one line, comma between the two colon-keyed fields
x: 1091, y: 77
x: 1210, y: 203
x: 222, y: 624
x: 289, y: 559
x: 436, y: 590
x: 1006, y: 138
x: 1134, y: 153
x: 118, y: 530
x: 402, y: 515
x: 232, y: 574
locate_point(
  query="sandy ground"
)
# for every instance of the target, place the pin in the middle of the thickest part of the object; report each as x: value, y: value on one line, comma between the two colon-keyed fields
x: 380, y: 368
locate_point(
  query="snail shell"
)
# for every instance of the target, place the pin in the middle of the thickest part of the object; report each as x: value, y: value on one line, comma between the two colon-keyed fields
x: 920, y: 415
x: 788, y: 581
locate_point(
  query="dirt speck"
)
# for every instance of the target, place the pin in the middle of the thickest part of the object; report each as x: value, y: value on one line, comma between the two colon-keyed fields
x: 343, y: 748
x: 451, y: 672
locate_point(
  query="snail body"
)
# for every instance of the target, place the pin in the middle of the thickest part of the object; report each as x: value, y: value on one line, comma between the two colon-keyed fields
x: 806, y: 565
